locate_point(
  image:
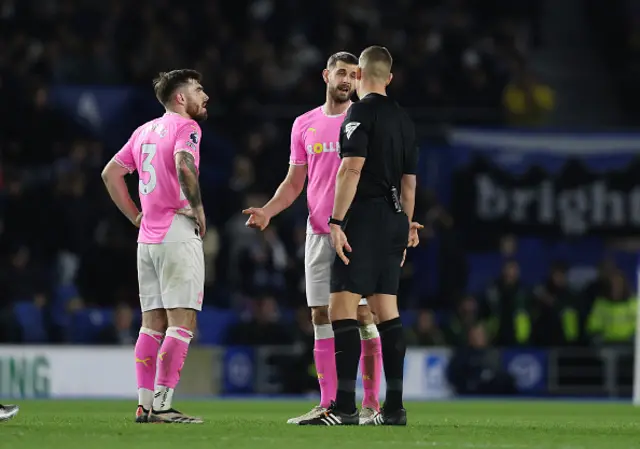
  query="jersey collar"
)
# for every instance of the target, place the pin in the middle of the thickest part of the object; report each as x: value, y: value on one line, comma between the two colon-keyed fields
x: 335, y: 115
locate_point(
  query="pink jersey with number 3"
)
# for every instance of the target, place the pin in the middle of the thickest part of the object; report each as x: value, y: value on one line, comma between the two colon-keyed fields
x: 150, y: 151
x: 315, y: 142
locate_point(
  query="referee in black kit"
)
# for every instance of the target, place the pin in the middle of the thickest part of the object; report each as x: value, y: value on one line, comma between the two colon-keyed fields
x: 370, y: 230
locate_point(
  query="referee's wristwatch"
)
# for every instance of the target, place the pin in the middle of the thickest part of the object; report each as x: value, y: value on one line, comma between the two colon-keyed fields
x: 335, y: 221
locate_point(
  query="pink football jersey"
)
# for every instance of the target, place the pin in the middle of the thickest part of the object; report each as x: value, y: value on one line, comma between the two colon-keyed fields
x: 151, y: 150
x: 314, y: 142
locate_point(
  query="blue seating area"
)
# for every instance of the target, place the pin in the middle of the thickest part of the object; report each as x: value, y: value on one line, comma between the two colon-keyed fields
x: 535, y: 255
x: 31, y: 319
x: 86, y: 324
x: 213, y: 325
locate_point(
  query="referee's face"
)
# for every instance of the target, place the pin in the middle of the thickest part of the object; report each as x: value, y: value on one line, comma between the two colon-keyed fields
x: 341, y: 81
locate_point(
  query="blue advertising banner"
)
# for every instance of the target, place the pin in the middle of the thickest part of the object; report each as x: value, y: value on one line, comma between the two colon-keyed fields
x: 543, y: 183
x: 239, y: 370
x: 529, y: 369
x: 425, y: 375
x: 436, y: 372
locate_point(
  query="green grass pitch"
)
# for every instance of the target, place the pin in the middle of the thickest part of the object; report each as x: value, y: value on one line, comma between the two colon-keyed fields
x: 262, y: 425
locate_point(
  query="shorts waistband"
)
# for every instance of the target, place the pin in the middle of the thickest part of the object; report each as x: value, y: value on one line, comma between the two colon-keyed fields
x: 375, y: 199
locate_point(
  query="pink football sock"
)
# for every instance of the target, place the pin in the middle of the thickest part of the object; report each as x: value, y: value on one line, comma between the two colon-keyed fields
x: 325, y: 360
x: 146, y: 354
x: 172, y: 355
x: 371, y: 366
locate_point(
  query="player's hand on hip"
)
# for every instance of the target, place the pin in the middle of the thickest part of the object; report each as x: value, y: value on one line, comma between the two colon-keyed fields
x: 187, y: 212
x: 201, y: 220
x: 138, y: 220
x: 340, y: 243
x: 258, y: 219
x: 414, y: 238
x: 196, y: 215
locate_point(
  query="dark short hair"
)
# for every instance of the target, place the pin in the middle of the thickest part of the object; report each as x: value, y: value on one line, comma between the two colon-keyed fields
x: 343, y: 56
x: 167, y: 82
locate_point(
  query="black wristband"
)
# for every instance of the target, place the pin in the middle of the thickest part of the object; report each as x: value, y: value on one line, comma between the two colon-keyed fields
x: 335, y: 221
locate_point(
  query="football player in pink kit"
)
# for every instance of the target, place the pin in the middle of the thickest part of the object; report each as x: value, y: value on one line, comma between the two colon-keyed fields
x: 166, y: 154
x: 314, y: 155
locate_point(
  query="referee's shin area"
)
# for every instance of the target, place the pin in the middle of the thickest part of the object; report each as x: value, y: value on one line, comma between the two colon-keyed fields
x: 261, y: 423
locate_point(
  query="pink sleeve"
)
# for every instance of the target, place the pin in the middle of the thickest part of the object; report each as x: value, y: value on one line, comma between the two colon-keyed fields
x: 188, y: 139
x: 298, y: 153
x: 124, y: 157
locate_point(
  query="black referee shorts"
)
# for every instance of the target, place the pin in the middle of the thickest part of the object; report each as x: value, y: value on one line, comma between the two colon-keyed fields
x: 378, y: 236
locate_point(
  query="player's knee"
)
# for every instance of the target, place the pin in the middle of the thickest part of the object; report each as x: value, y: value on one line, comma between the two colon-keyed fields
x: 156, y: 320
x: 385, y: 307
x: 365, y: 316
x: 320, y: 315
x: 387, y: 314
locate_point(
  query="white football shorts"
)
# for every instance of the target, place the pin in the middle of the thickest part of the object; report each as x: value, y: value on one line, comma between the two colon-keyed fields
x: 171, y: 275
x: 318, y: 258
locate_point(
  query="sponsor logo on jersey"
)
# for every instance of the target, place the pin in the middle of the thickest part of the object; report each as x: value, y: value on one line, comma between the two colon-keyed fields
x: 323, y: 147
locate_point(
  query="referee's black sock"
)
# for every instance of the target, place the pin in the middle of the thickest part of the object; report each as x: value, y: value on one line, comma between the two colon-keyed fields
x: 394, y: 348
x: 347, y: 344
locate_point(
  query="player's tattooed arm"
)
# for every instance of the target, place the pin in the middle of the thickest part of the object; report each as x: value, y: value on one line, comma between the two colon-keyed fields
x: 188, y: 178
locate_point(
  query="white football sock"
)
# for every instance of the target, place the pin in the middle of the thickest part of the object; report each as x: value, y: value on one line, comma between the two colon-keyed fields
x: 162, y: 399
x: 145, y: 398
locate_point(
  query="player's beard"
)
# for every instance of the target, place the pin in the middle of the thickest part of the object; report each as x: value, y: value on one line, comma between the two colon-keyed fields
x: 197, y: 113
x: 202, y: 116
x: 340, y: 96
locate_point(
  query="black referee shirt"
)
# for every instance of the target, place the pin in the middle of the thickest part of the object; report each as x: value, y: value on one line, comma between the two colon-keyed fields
x: 378, y: 129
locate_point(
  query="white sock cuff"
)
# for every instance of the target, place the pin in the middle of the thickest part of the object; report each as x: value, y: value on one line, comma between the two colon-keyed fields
x: 162, y: 398
x: 150, y: 332
x: 180, y: 333
x: 368, y: 332
x: 322, y: 331
x: 145, y: 398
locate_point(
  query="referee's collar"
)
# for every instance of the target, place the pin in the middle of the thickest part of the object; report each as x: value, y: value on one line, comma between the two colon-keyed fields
x: 374, y: 94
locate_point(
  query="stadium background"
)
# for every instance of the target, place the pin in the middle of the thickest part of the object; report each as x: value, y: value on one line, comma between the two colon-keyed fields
x: 525, y: 279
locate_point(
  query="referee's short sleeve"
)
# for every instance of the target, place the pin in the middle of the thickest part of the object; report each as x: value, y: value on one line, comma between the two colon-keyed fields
x: 411, y: 150
x: 354, y: 132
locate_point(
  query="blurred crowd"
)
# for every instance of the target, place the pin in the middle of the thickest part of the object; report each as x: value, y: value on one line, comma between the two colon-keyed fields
x: 506, y: 312
x: 453, y: 58
x: 616, y: 31
x: 66, y: 250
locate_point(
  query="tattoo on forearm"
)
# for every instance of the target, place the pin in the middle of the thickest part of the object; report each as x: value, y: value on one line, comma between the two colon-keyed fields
x: 188, y: 177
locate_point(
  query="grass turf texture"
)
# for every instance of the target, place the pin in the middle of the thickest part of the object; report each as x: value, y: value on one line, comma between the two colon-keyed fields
x: 262, y: 424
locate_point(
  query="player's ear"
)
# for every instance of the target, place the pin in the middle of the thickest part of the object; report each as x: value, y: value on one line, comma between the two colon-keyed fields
x: 180, y: 98
x: 325, y: 76
x: 389, y: 80
x: 358, y: 73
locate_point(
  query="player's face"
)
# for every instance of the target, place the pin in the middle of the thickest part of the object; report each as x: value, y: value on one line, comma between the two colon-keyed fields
x: 342, y: 82
x: 196, y: 101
